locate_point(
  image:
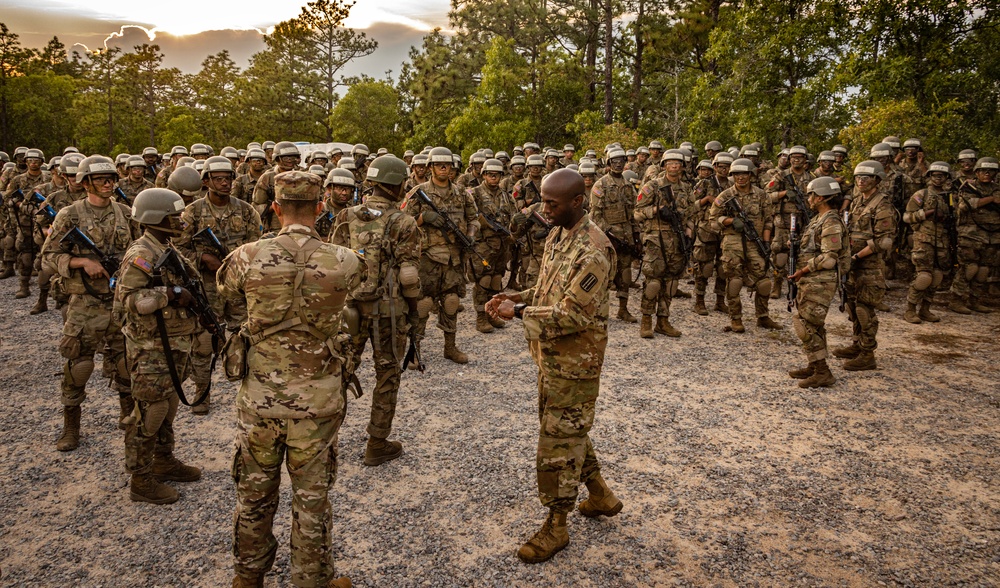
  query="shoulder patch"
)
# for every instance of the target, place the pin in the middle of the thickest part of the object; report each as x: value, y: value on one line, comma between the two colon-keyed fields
x: 143, y: 265
x: 588, y: 282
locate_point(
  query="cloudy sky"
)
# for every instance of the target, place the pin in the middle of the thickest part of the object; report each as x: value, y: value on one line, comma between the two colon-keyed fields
x: 187, y: 31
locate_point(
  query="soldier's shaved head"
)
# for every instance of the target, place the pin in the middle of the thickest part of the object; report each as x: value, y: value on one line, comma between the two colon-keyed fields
x: 563, y: 192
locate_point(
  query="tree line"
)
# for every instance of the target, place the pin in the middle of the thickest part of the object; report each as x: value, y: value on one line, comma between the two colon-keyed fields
x: 784, y: 72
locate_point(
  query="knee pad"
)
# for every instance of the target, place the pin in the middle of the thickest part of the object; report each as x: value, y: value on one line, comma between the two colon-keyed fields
x: 409, y: 276
x: 671, y: 288
x: 971, y: 269
x: 496, y: 284
x: 864, y: 317
x: 451, y: 302
x: 152, y: 415
x: 425, y: 306
x: 706, y: 270
x: 938, y: 278
x: 733, y: 287
x: 485, y: 281
x: 8, y: 242
x: 982, y: 275
x: 79, y: 370
x: 652, y: 289
x: 798, y: 327
x: 351, y: 320
x: 780, y: 260
x: 922, y: 281
x: 764, y: 288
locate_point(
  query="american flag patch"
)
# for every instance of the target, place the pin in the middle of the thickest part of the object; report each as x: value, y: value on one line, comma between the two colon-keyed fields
x: 143, y: 265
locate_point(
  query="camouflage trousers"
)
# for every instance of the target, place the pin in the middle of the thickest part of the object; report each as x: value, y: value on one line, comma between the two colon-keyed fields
x: 742, y: 266
x: 975, y: 260
x: 150, y: 430
x: 378, y: 330
x: 309, y: 449
x: 88, y: 330
x: 532, y: 266
x: 865, y: 290
x: 707, y: 256
x: 488, y: 282
x: 623, y: 275
x: 661, y: 274
x: 809, y: 317
x: 27, y: 251
x: 443, y: 287
x: 931, y: 264
x: 565, y: 457
x: 231, y: 314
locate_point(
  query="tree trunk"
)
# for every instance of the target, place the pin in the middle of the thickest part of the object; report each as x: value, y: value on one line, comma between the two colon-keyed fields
x: 637, y: 66
x: 593, y: 30
x: 608, y: 59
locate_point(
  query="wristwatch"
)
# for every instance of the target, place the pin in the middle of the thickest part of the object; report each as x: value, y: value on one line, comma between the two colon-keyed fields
x: 177, y: 291
x: 519, y: 310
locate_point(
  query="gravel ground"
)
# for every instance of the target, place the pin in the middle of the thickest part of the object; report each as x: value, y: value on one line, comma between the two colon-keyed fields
x: 731, y: 475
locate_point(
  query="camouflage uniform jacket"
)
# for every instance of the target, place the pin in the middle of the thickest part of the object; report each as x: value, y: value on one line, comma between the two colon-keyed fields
x: 823, y: 239
x: 440, y: 245
x: 244, y: 186
x: 755, y: 204
x: 508, y: 182
x: 235, y: 224
x: 710, y: 187
x: 785, y: 207
x: 612, y: 202
x: 566, y: 321
x: 913, y: 172
x: 921, y: 214
x: 295, y: 361
x: 979, y: 224
x: 872, y: 223
x: 263, y: 196
x: 10, y: 174
x: 498, y: 205
x: 653, y: 196
x: 162, y: 177
x: 328, y: 220
x: 526, y: 192
x: 140, y: 293
x: 109, y: 227
x: 58, y: 200
x: 468, y: 180
x: 25, y: 210
x: 132, y: 189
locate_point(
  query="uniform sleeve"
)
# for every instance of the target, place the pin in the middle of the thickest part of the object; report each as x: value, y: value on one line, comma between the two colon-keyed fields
x: 597, y: 205
x: 54, y: 258
x: 135, y: 288
x: 253, y: 224
x: 645, y: 208
x: 262, y: 193
x: 471, y: 213
x: 884, y: 227
x: 341, y: 232
x: 231, y: 276
x: 577, y: 309
x: 915, y: 213
x: 189, y: 226
x: 831, y: 241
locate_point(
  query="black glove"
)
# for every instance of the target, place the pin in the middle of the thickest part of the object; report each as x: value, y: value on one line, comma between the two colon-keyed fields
x: 519, y: 218
x: 738, y: 225
x: 666, y: 214
x: 541, y: 234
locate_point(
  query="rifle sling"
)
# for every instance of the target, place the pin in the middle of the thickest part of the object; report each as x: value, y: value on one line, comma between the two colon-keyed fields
x: 161, y: 327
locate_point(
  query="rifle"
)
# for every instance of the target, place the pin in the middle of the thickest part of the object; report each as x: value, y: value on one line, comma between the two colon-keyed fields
x: 749, y: 230
x: 413, y: 353
x: 950, y: 225
x: 793, y: 254
x: 499, y: 228
x: 968, y: 188
x: 121, y: 196
x: 80, y: 239
x: 208, y: 237
x: 842, y: 282
x: 800, y: 200
x: 686, y: 244
x: 451, y: 227
x: 898, y: 199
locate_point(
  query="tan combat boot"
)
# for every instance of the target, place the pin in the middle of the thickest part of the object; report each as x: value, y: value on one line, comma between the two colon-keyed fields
x: 42, y: 304
x: 623, y: 313
x: 205, y: 406
x: 70, y: 438
x: 8, y: 270
x: 883, y: 307
x: 736, y: 326
x: 498, y: 323
x: 602, y: 501
x: 256, y: 582
x: 803, y: 373
x: 483, y: 324
x: 548, y: 541
x: 681, y: 294
x: 25, y: 287
x: 646, y: 327
x: 976, y: 306
x: 958, y: 305
x: 145, y: 488
x: 910, y: 315
x: 170, y: 469
x: 720, y: 304
x: 379, y: 451
x: 451, y: 351
x: 847, y: 352
x: 699, y: 305
x: 864, y: 361
x: 925, y: 313
x: 664, y: 327
x: 821, y: 378
x: 341, y: 582
x: 126, y: 405
x: 766, y: 322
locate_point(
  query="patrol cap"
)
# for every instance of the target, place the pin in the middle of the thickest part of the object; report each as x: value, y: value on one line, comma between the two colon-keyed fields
x: 408, y: 153
x: 914, y: 143
x: 705, y: 163
x: 347, y: 163
x: 722, y: 157
x: 798, y: 150
x: 987, y: 163
x: 749, y: 151
x: 892, y: 141
x: 493, y: 165
x: 672, y: 155
x: 256, y: 153
x: 70, y: 164
x: 569, y: 147
x: 742, y: 166
x: 70, y: 149
x: 713, y: 146
x: 966, y: 154
x: 881, y: 150
x: 149, y: 151
x: 340, y: 177
x: 178, y: 150
x: 297, y: 185
x: 827, y: 156
x: 870, y: 168
x: 642, y: 149
x: 441, y: 155
x: 939, y: 166
x: 502, y: 155
x: 419, y: 159
x: 34, y: 154
x: 517, y: 160
x: 824, y: 186
x: 587, y: 169
x: 839, y: 149
x: 135, y: 161
x: 535, y: 160
x: 217, y: 163
x: 616, y: 153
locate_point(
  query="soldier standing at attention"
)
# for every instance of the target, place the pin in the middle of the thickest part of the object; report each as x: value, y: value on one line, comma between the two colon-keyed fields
x: 234, y: 222
x: 496, y: 208
x: 566, y: 324
x: 22, y: 209
x: 707, y: 254
x: 823, y: 249
x: 612, y: 201
x: 978, y: 238
x: 287, y: 158
x: 58, y: 200
x: 292, y: 400
x: 155, y: 306
x: 90, y: 326
x: 785, y: 203
x: 931, y: 213
x: 134, y: 180
x: 383, y: 307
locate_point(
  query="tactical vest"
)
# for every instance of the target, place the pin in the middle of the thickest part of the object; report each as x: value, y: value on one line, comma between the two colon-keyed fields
x: 369, y: 228
x: 113, y: 242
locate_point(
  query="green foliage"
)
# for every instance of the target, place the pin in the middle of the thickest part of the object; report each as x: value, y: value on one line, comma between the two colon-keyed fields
x: 940, y: 130
x: 180, y: 129
x: 369, y: 113
x: 598, y: 138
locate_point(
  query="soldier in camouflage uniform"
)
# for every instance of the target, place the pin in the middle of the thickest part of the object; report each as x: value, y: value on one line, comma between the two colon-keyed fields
x: 514, y: 175
x: 286, y: 158
x: 931, y: 214
x: 785, y: 203
x: 474, y: 176
x: 135, y: 180
x: 612, y: 202
x: 655, y: 154
x: 442, y: 260
x: 234, y: 223
x: 707, y: 253
x: 246, y: 183
x: 978, y: 238
x: 496, y: 208
x: 177, y: 152
x: 641, y: 162
x: 22, y: 206
x: 822, y: 255
x: 527, y: 195
x: 90, y: 327
x: 56, y: 201
x: 895, y: 186
x: 871, y: 226
x: 418, y: 172
x: 383, y: 307
x: 914, y: 166
x: 965, y: 171
x: 292, y: 399
x: 154, y: 303
x: 661, y: 203
x: 339, y: 188
x: 742, y: 262
x: 566, y: 323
